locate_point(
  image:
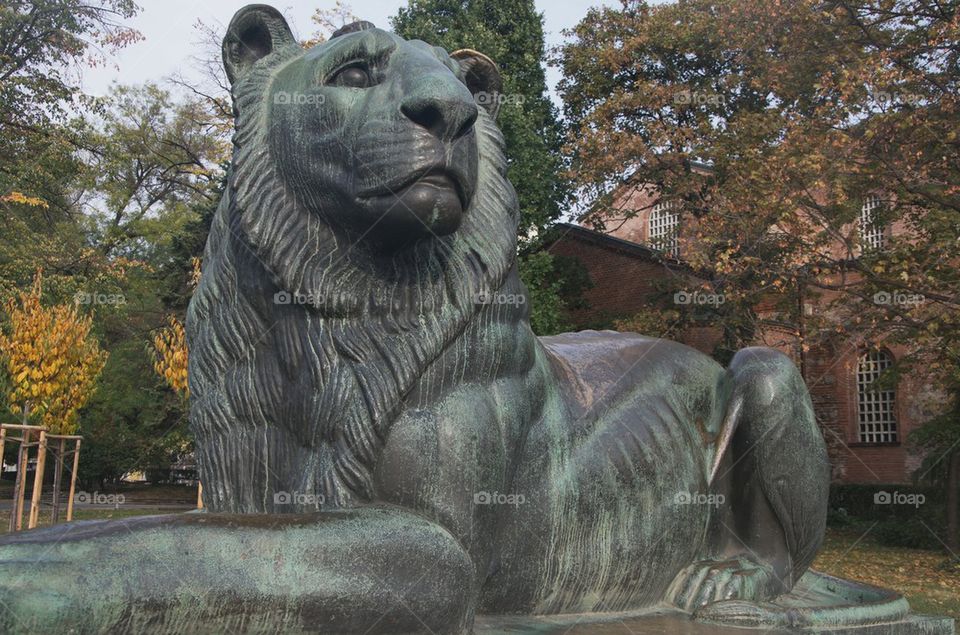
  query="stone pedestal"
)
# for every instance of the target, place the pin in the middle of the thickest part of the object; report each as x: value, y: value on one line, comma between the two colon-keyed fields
x: 679, y: 624
x: 818, y: 604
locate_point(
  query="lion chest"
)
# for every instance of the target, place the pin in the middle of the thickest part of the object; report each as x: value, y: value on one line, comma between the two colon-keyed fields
x: 461, y: 432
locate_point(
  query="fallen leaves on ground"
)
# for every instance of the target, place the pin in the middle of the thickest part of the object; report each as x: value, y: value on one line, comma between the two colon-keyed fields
x: 925, y: 578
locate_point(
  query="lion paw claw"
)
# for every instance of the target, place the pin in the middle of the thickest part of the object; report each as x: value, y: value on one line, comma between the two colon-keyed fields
x: 709, y: 581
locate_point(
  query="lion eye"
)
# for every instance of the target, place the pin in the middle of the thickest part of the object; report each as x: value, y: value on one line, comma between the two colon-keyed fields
x: 351, y: 77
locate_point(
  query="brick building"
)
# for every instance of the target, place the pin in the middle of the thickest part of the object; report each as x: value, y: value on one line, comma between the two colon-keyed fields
x: 865, y: 428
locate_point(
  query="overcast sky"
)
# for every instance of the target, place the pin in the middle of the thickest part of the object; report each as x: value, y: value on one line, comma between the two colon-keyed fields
x: 170, y: 36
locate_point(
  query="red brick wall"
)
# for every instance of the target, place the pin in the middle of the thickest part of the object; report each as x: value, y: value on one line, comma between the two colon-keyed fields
x: 866, y: 463
x: 622, y: 283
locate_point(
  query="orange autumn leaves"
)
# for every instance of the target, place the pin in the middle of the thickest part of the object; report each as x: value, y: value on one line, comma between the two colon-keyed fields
x: 51, y: 360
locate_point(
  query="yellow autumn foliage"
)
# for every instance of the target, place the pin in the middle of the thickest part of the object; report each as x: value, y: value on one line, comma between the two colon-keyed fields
x: 23, y: 199
x: 51, y: 360
x: 170, y: 355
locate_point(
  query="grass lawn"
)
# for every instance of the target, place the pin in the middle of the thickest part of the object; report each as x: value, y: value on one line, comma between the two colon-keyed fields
x: 138, y: 500
x: 928, y: 579
x: 84, y: 514
x: 132, y: 492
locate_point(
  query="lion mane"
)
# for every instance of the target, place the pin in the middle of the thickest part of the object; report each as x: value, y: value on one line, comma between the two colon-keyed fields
x: 292, y: 401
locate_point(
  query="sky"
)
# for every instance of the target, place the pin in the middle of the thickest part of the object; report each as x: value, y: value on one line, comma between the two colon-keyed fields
x: 171, y: 39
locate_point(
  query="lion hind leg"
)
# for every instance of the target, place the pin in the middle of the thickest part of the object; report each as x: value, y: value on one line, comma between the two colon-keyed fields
x: 772, y: 469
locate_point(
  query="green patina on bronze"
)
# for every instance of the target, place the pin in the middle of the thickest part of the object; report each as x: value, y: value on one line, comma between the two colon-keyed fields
x: 384, y: 444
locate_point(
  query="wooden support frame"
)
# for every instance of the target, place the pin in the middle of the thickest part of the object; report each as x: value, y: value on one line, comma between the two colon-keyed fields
x: 23, y: 458
x: 73, y: 478
x: 38, y: 480
x: 61, y: 453
x: 61, y: 448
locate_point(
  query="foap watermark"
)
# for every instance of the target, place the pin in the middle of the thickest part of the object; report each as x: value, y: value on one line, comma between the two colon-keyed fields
x: 496, y: 498
x: 297, y: 498
x: 96, y: 498
x: 285, y: 98
x: 496, y: 297
x: 898, y: 298
x: 698, y: 298
x: 285, y: 297
x: 108, y: 299
x: 892, y: 98
x: 698, y: 498
x: 898, y: 498
x: 698, y: 98
x: 488, y: 99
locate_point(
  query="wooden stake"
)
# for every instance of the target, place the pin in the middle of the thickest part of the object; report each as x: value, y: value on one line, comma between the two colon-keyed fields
x: 38, y: 480
x: 199, y: 495
x: 3, y: 441
x: 57, y: 480
x: 73, y: 480
x: 23, y: 457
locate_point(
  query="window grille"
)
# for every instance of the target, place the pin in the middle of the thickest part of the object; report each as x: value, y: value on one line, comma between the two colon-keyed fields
x: 871, y: 232
x: 664, y: 228
x: 876, y: 408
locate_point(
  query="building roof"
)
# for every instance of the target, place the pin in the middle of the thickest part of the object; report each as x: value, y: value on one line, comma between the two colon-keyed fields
x: 606, y: 241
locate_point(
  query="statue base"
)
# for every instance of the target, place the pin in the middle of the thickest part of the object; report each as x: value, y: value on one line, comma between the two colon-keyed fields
x: 819, y: 603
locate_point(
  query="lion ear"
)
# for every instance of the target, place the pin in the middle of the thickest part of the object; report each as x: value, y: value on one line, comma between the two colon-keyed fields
x: 257, y: 30
x: 482, y: 78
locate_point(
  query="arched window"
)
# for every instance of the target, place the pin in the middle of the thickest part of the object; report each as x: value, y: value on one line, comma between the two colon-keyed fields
x: 876, y: 407
x: 664, y: 228
x: 871, y: 231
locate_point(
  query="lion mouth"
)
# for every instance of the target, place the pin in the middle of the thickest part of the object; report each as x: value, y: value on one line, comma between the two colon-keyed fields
x: 439, y: 179
x: 443, y: 181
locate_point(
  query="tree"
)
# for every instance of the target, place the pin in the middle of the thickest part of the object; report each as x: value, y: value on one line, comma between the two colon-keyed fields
x: 43, y: 42
x: 132, y: 422
x: 802, y: 110
x: 511, y: 33
x: 103, y: 195
x: 156, y: 160
x: 51, y: 361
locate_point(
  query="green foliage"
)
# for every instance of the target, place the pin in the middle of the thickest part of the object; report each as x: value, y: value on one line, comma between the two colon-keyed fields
x: 155, y: 159
x: 543, y: 293
x: 920, y: 526
x: 131, y: 422
x: 911, y: 533
x: 186, y: 248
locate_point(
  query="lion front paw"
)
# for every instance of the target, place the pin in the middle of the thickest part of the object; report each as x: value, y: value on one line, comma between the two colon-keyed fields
x: 709, y: 581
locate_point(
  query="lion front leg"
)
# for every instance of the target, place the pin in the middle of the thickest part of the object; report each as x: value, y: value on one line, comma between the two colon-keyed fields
x: 368, y: 570
x: 774, y: 477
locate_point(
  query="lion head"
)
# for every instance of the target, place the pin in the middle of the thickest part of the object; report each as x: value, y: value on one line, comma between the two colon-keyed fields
x: 368, y: 182
x: 367, y: 141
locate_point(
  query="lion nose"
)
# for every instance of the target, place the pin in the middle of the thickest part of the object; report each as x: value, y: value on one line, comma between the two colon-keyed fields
x: 447, y: 116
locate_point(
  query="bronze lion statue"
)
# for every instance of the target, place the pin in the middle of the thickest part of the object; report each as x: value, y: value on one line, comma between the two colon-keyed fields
x: 384, y: 444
